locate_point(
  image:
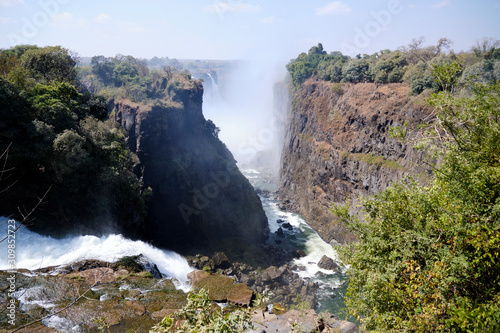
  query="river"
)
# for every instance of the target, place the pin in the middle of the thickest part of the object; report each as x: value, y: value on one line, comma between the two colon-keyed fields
x: 332, y: 284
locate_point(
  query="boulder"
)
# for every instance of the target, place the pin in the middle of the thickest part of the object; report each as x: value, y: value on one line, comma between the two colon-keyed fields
x: 221, y: 261
x: 273, y: 273
x: 279, y: 232
x: 287, y: 225
x: 149, y: 266
x: 299, y: 253
x: 327, y: 263
x: 221, y: 288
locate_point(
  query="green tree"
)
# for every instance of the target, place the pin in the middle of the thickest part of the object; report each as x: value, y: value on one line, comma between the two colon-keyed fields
x: 51, y: 63
x: 428, y: 257
x: 357, y: 70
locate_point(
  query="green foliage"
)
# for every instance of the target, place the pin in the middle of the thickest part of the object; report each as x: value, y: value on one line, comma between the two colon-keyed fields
x: 51, y: 63
x: 412, y: 64
x: 428, y: 257
x: 128, y: 77
x: 356, y: 71
x: 199, y: 315
x: 103, y: 325
x: 60, y: 139
x: 373, y: 159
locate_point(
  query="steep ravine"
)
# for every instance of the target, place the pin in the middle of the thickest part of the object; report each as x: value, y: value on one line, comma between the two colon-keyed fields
x: 337, y: 148
x: 199, y: 197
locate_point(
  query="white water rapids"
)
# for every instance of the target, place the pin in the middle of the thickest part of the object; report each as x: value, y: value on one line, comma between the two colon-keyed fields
x: 33, y: 251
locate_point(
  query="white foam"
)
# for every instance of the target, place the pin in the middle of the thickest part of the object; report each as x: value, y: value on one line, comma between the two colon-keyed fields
x: 34, y: 251
x: 62, y: 324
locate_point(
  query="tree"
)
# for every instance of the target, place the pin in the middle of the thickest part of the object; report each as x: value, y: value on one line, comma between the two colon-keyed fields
x: 357, y: 70
x: 485, y: 45
x: 428, y: 257
x: 51, y: 63
x: 103, y: 68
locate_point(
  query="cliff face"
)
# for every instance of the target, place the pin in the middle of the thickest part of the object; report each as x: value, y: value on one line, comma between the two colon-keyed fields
x: 337, y: 147
x: 199, y: 197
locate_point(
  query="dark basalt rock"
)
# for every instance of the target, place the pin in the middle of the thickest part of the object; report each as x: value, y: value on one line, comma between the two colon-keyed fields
x: 221, y: 261
x: 198, y: 195
x: 337, y: 148
x: 327, y: 263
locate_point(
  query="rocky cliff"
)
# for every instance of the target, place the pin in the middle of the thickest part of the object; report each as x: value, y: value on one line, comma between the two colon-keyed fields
x: 337, y: 147
x: 198, y: 196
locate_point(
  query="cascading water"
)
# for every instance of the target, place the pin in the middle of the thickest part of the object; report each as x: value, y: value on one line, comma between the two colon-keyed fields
x: 215, y: 94
x: 332, y: 284
x: 33, y: 251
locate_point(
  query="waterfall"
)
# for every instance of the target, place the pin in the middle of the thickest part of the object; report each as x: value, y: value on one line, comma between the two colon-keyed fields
x: 33, y: 251
x: 214, y: 89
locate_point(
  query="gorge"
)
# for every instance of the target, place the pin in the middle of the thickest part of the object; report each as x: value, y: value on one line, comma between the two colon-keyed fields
x: 141, y: 170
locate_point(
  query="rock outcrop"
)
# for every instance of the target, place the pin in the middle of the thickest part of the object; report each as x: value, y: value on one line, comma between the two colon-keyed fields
x: 198, y: 195
x: 107, y: 293
x: 301, y: 321
x: 279, y: 278
x: 337, y: 148
x: 327, y: 263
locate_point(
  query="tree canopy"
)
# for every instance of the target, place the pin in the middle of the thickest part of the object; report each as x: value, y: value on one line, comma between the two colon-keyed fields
x: 412, y: 64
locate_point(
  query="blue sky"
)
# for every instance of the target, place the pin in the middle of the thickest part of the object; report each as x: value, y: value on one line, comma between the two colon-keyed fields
x: 241, y: 29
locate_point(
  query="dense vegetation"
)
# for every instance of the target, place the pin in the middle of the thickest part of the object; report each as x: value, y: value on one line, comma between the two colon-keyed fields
x: 428, y: 257
x: 412, y: 64
x: 58, y: 138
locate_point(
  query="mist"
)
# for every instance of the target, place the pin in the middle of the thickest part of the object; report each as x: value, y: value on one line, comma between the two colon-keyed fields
x: 242, y: 104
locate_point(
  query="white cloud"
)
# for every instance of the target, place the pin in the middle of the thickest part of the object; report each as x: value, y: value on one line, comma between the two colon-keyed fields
x: 442, y: 3
x: 11, y: 3
x: 334, y: 8
x: 68, y: 20
x: 103, y: 18
x: 223, y: 7
x: 6, y: 20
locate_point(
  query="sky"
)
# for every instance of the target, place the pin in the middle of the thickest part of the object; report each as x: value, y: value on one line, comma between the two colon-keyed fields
x: 243, y: 29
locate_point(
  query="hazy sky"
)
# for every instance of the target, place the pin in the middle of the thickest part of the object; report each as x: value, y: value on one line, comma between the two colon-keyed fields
x: 235, y: 29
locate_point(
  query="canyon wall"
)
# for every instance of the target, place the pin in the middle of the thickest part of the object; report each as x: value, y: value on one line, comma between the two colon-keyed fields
x: 198, y: 197
x: 337, y: 148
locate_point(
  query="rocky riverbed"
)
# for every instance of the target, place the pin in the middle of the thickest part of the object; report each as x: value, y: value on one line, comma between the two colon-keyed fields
x: 131, y: 295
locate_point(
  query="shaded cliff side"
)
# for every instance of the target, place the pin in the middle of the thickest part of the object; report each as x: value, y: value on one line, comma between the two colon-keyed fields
x: 337, y: 147
x: 198, y: 195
